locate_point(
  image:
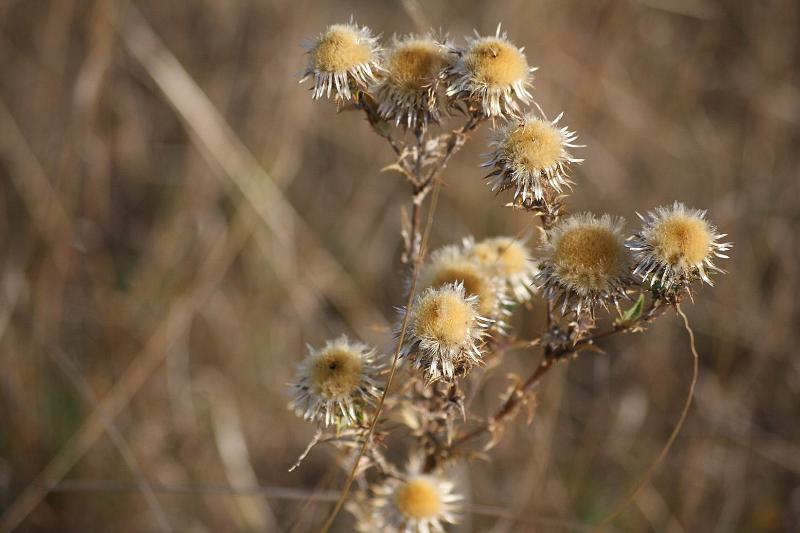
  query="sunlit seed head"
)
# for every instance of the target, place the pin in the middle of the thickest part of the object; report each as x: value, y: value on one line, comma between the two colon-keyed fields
x: 505, y: 255
x: 334, y: 383
x: 475, y: 279
x: 336, y: 372
x: 414, y: 502
x: 444, y: 316
x: 586, y: 262
x: 415, y: 63
x: 496, y: 62
x: 535, y: 145
x: 341, y: 47
x: 675, y: 246
x: 682, y: 240
x: 418, y: 499
x: 588, y: 256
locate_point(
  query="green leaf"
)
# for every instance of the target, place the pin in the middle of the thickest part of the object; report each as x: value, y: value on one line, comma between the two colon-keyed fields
x: 634, y: 312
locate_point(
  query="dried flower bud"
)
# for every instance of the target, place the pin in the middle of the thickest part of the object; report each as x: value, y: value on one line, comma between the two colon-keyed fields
x: 493, y: 73
x: 676, y: 246
x: 336, y: 382
x: 344, y: 58
x: 585, y: 263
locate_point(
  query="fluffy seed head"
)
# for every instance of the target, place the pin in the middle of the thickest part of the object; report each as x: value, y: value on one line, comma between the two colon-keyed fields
x: 342, y: 59
x: 336, y: 372
x: 585, y: 261
x: 496, y: 62
x: 444, y: 332
x: 415, y: 503
x: 508, y: 259
x: 336, y: 382
x: 451, y: 264
x: 407, y: 93
x: 531, y: 156
x: 418, y: 499
x: 415, y: 63
x: 491, y: 72
x: 340, y: 47
x: 676, y: 245
x: 445, y: 317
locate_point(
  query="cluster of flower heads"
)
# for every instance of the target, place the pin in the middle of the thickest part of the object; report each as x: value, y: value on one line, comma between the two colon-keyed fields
x: 405, y: 78
x: 418, y: 76
x: 466, y: 292
x: 588, y: 262
x: 465, y: 296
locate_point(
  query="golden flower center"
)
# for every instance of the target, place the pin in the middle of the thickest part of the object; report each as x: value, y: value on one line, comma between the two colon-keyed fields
x: 682, y: 240
x: 418, y: 499
x: 336, y: 372
x: 475, y: 284
x: 588, y: 257
x: 506, y: 256
x: 415, y: 64
x: 444, y: 316
x: 340, y: 48
x: 496, y: 62
x: 535, y: 146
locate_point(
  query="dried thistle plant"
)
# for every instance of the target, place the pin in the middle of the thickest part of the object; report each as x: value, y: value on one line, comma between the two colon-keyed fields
x: 424, y: 96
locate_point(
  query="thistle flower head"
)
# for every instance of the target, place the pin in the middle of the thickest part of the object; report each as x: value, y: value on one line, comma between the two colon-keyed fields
x: 342, y: 59
x: 444, y: 332
x: 507, y: 259
x: 675, y: 246
x: 335, y: 382
x: 417, y: 503
x: 531, y: 156
x: 450, y: 264
x: 493, y: 72
x: 407, y: 93
x: 585, y: 262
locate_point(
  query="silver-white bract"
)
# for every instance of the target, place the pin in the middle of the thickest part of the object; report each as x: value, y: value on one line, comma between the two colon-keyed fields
x: 680, y: 271
x: 314, y: 401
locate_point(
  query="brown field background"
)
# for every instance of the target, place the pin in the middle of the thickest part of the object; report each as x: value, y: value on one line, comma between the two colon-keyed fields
x: 178, y: 218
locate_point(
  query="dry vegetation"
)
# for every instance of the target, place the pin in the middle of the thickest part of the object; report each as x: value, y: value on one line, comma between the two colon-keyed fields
x: 179, y: 218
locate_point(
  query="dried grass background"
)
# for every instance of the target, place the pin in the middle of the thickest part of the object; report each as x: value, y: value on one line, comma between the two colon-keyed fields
x: 177, y: 218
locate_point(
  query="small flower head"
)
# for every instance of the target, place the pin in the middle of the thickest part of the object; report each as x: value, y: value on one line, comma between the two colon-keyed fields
x: 507, y: 259
x: 531, y: 156
x: 417, y: 503
x: 492, y: 72
x: 342, y: 59
x: 450, y: 264
x: 407, y: 93
x: 444, y: 332
x: 675, y: 246
x: 336, y: 382
x: 586, y: 262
